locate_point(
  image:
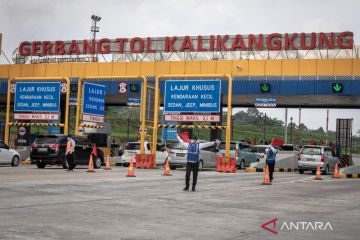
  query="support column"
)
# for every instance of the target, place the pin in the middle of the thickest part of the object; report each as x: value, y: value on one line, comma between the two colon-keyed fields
x: 286, y: 125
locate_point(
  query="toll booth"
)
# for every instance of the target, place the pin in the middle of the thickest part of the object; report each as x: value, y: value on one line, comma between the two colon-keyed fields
x: 344, y: 141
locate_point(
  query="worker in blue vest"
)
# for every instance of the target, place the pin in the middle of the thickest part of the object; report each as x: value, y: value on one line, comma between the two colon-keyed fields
x: 193, y: 157
x: 270, y: 159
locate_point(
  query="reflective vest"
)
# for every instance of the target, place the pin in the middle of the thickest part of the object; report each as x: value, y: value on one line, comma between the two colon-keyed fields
x: 193, y: 152
x: 271, y: 156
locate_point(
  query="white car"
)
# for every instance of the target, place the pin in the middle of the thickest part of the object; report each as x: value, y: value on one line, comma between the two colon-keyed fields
x: 312, y: 156
x: 133, y: 148
x: 207, y: 158
x: 8, y: 156
x: 260, y: 151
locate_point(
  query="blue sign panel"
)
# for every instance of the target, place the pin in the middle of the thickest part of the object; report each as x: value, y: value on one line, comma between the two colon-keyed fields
x: 169, y: 133
x: 265, y: 102
x: 94, y: 99
x: 134, y: 102
x: 37, y: 97
x: 200, y: 96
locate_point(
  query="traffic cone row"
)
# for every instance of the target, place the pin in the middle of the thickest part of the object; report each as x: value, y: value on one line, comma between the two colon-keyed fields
x: 167, y: 168
x: 266, y: 180
x: 131, y: 172
x: 318, y: 173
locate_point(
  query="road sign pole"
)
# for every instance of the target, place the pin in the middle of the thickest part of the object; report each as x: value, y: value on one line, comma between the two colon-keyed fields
x: 157, y: 104
x: 33, y: 79
x: 229, y: 114
x: 8, y: 99
x: 94, y: 78
x: 156, y: 116
x: 143, y: 115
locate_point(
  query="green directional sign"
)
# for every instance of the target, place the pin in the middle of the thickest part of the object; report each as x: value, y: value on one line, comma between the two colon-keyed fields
x: 337, y: 87
x: 134, y: 87
x: 265, y: 87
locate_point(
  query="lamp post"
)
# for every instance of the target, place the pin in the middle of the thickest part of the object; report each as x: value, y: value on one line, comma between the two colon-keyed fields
x: 94, y: 29
x: 291, y: 127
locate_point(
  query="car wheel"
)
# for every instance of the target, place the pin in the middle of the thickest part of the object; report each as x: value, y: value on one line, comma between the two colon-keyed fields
x: 301, y: 171
x: 242, y: 164
x: 41, y: 165
x: 97, y: 163
x: 326, y: 171
x: 15, y: 161
x: 172, y: 167
x: 125, y: 164
x: 201, y: 165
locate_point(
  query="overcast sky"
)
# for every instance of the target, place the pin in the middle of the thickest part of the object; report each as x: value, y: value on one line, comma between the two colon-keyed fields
x: 22, y: 20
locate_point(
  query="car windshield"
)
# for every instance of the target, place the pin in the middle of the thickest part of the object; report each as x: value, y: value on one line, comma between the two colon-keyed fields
x: 222, y: 146
x: 311, y: 150
x: 178, y: 146
x: 132, y: 146
x: 260, y: 149
x: 287, y: 148
x: 46, y: 139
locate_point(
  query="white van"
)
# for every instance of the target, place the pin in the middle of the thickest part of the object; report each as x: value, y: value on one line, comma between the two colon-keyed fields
x: 133, y: 148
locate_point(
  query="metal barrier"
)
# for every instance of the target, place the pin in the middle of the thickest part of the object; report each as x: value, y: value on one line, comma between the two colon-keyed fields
x: 91, y: 126
x: 226, y: 164
x: 191, y: 126
x: 144, y: 161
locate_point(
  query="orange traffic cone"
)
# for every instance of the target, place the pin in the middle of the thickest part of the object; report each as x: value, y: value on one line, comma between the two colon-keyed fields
x: 266, y: 180
x: 336, y: 171
x: 131, y: 172
x: 167, y: 168
x: 318, y: 173
x: 91, y: 164
x: 107, y: 163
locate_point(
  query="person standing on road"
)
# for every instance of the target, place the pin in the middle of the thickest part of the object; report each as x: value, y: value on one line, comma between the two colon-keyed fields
x: 270, y: 160
x: 193, y: 154
x: 69, y: 154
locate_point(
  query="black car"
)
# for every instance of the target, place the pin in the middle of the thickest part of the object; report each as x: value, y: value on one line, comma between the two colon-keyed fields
x: 50, y: 150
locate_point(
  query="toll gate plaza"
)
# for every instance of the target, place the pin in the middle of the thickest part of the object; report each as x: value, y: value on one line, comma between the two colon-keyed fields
x: 126, y: 187
x: 53, y: 204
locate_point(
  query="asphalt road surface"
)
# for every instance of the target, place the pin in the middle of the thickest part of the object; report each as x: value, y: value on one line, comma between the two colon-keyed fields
x: 51, y: 203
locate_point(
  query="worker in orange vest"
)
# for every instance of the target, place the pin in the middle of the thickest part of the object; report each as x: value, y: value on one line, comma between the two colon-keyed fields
x: 69, y: 154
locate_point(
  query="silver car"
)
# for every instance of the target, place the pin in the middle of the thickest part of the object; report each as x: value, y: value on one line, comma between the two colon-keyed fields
x: 8, y: 156
x: 178, y: 156
x: 312, y: 155
x: 242, y: 151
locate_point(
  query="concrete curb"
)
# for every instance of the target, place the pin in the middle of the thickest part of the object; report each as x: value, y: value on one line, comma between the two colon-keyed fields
x: 115, y: 164
x: 353, y: 175
x: 275, y: 170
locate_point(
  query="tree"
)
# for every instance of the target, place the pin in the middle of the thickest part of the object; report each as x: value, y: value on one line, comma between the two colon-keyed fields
x: 320, y: 130
x: 253, y: 112
x: 303, y: 127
